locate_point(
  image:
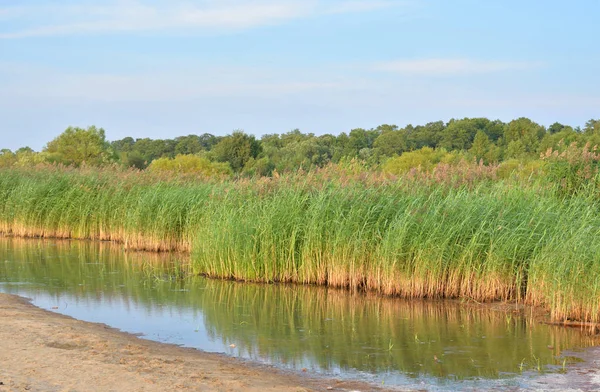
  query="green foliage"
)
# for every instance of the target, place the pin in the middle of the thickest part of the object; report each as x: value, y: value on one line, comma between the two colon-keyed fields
x: 484, y: 140
x: 525, y: 136
x: 76, y: 146
x: 29, y: 158
x: 190, y: 164
x: 391, y: 143
x: 559, y: 140
x: 7, y: 158
x: 424, y: 159
x: 427, y: 135
x: 293, y: 150
x: 236, y: 149
x: 262, y: 167
x: 574, y: 168
x: 522, y: 170
x: 592, y: 126
x: 153, y: 149
x: 516, y: 150
x: 481, y: 146
x: 133, y: 159
x: 343, y: 227
x: 460, y: 134
x: 558, y: 127
x: 188, y: 145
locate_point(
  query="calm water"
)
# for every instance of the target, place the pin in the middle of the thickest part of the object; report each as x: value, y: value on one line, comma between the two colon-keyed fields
x: 329, y: 332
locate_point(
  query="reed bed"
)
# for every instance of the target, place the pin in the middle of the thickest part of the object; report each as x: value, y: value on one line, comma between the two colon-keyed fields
x: 452, y: 236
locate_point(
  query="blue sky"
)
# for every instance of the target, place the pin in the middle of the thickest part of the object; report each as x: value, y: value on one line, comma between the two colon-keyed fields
x: 166, y: 68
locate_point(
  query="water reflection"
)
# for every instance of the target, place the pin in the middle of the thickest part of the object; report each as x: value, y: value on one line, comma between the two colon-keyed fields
x: 317, y: 329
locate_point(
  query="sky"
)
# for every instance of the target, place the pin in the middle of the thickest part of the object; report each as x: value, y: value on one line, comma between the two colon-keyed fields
x: 167, y: 68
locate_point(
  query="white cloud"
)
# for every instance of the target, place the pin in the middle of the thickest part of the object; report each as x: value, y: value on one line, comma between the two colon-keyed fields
x: 444, y: 67
x: 177, y: 15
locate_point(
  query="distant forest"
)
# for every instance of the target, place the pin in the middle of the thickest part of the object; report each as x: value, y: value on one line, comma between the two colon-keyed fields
x: 386, y: 147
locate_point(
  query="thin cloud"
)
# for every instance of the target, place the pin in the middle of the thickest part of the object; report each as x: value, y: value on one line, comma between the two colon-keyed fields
x: 444, y: 67
x: 159, y: 86
x: 142, y: 15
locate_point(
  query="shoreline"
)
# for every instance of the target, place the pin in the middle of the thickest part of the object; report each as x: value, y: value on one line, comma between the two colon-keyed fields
x: 46, y: 351
x: 540, y: 313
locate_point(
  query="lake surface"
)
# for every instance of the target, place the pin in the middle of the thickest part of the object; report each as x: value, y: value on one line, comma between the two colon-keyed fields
x: 418, y: 344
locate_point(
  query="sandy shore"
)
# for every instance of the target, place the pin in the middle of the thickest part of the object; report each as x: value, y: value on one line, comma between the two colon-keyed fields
x: 45, y: 351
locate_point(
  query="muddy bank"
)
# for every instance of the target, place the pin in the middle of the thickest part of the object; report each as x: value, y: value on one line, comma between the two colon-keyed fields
x: 44, y: 351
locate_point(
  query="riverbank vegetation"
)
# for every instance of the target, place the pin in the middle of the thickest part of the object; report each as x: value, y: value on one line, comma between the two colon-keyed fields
x: 428, y: 223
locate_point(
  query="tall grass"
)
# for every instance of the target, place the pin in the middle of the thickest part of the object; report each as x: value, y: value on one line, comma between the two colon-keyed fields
x: 457, y: 235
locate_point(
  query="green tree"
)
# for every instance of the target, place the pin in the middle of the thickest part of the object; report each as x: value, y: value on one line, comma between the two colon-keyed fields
x: 592, y: 126
x: 26, y: 157
x: 391, y: 143
x: 515, y: 150
x: 7, y: 158
x: 481, y: 146
x: 133, y: 159
x: 236, y: 149
x: 423, y: 159
x: 493, y: 129
x: 459, y: 134
x: 561, y: 139
x: 259, y: 167
x: 186, y: 145
x: 77, y: 145
x: 123, y: 145
x: 151, y: 149
x: 558, y: 127
x: 525, y: 131
x: 427, y: 135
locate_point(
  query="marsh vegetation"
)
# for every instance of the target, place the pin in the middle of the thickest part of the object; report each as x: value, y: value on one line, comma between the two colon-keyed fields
x: 462, y: 230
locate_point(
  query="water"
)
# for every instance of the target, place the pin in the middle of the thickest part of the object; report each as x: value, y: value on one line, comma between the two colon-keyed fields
x: 439, y: 345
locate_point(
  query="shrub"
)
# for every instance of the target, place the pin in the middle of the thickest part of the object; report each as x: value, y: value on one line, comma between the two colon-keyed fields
x: 424, y: 159
x: 191, y: 164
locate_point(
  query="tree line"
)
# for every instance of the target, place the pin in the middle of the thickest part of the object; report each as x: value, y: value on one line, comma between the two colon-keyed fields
x: 386, y: 146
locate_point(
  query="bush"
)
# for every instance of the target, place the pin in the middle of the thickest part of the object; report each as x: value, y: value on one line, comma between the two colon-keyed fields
x: 190, y: 164
x: 424, y: 159
x: 520, y: 169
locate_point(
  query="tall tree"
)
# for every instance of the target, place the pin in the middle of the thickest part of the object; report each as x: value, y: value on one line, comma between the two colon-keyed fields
x: 390, y: 143
x: 236, y: 149
x: 556, y: 127
x: 77, y: 145
x: 427, y: 135
x: 592, y: 126
x: 526, y: 132
x: 481, y: 145
x: 7, y: 158
x: 187, y: 145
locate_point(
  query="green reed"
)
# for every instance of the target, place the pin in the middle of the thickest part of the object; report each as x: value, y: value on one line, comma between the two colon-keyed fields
x: 484, y: 240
